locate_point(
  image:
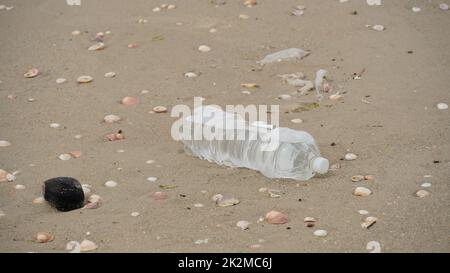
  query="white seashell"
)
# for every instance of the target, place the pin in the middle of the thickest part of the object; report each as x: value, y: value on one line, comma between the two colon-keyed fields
x: 73, y: 246
x: 38, y: 200
x: 335, y: 97
x: 442, y: 106
x: 171, y: 6
x: 94, y: 198
x: 426, y: 185
x: 350, y: 156
x: 309, y: 219
x: 204, y: 48
x: 212, y: 30
x: 422, y: 193
x: 111, y: 118
x: 151, y: 178
x: 199, y: 205
x: 55, y: 125
x: 243, y: 225
x: 135, y: 214
x: 87, y: 245
x: 4, y: 143
x: 374, y: 247
x: 416, y: 9
x: 321, y: 74
x: 227, y: 200
x: 263, y: 190
x: 10, y: 177
x: 357, y: 178
x: 19, y: 187
x: 2, y: 213
x: 284, y: 97
x: 84, y: 79
x: 110, y: 74
x: 320, y: 233
x: 157, y: 9
x: 201, y: 241
x: 32, y: 73
x: 296, y: 120
x: 86, y: 189
x: 369, y: 221
x: 150, y: 161
x: 110, y: 184
x: 159, y: 109
x: 378, y: 27
x: 246, y: 92
x: 363, y: 212
x: 64, y: 156
x: 145, y: 92
x: 284, y: 55
x: 374, y: 2
x: 362, y: 191
x: 190, y: 75
x: 243, y: 16
x: 97, y: 46
x: 60, y: 80
x: 443, y: 6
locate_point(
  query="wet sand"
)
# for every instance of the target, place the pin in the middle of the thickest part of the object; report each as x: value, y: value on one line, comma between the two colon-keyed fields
x: 397, y: 136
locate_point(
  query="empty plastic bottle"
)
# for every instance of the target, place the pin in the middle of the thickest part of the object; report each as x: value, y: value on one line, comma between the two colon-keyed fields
x: 296, y: 155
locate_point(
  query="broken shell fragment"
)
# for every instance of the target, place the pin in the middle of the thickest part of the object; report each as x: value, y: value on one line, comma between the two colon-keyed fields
x: 43, y: 237
x: 159, y: 195
x: 31, y: 73
x: 19, y: 187
x: 373, y: 247
x: 38, y: 200
x: 111, y: 118
x: 204, y: 48
x: 87, y: 245
x: 243, y: 225
x: 159, y: 109
x: 357, y: 178
x: 227, y: 200
x: 75, y: 32
x: 250, y: 85
x: 110, y: 184
x: 60, y: 80
x: 369, y: 221
x: 350, y: 156
x: 362, y: 191
x: 296, y: 120
x: 369, y: 177
x: 110, y: 74
x: 73, y: 246
x: 320, y: 233
x: 442, y: 106
x: 97, y: 46
x: 76, y: 154
x: 3, y: 175
x: 115, y: 136
x: 127, y: 101
x: 190, y: 75
x: 378, y: 27
x: 422, y: 193
x: 84, y: 79
x: 4, y: 143
x: 443, y: 6
x: 363, y: 212
x: 276, y: 217
x: 55, y: 125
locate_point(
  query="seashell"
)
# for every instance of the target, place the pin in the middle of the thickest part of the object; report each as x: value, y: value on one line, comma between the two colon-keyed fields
x: 64, y: 157
x: 60, y: 80
x: 157, y: 9
x: 115, y: 136
x: 212, y: 30
x: 3, y: 175
x: 227, y: 200
x: 274, y: 193
x: 250, y: 3
x: 363, y: 212
x: 78, y: 136
x: 425, y: 185
x: 335, y: 97
x: 159, y: 195
x: 335, y: 167
x: 4, y: 143
x: 159, y: 109
x: 255, y: 246
x: 374, y: 247
x: 362, y: 191
x: 19, y: 187
x: 87, y: 245
x: 276, y: 217
x: 92, y: 205
x: 75, y: 33
x: 204, y: 48
x: 309, y: 219
x: 142, y: 21
x: 152, y: 179
x: 284, y: 97
x: 127, y: 101
x: 97, y: 46
x: 199, y: 205
x: 297, y: 12
x: 378, y: 27
x: 216, y: 197
x: 201, y: 241
x: 171, y: 6
x: 111, y: 118
x: 145, y: 92
x: 296, y: 120
x: 284, y: 55
x: 320, y: 233
x: 38, y: 200
x: 31, y: 99
x: 416, y: 9
x: 369, y: 177
x: 369, y: 221
x: 350, y: 156
x: 31, y: 73
x: 86, y: 190
x: 10, y: 177
x: 135, y: 214
x: 243, y: 225
x: 250, y: 85
x: 422, y: 193
x: 190, y: 75
x: 263, y: 190
x: 374, y: 2
x: 443, y: 6
x: 55, y: 125
x: 2, y: 213
x: 84, y: 79
x: 75, y: 154
x: 110, y: 184
x: 357, y: 178
x: 73, y: 246
x: 94, y: 198
x: 43, y: 237
x: 243, y: 16
x: 11, y: 96
x: 110, y: 74
x: 442, y: 106
x: 246, y: 92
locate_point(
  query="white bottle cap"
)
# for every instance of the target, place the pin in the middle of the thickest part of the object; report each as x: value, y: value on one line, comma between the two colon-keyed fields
x: 320, y: 165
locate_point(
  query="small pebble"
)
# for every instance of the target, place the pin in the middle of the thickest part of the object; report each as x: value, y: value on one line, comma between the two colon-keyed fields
x: 87, y: 245
x: 243, y: 16
x: 150, y: 161
x: 284, y: 97
x: 110, y: 184
x: 255, y: 246
x: 159, y: 195
x: 157, y: 9
x: 128, y: 101
x: 212, y: 30
x: 204, y: 48
x: 320, y: 233
x: 75, y: 32
x: 159, y: 109
x: 442, y: 106
x: 201, y: 241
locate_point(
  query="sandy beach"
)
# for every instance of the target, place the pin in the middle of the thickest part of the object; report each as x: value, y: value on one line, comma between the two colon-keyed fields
x: 390, y: 83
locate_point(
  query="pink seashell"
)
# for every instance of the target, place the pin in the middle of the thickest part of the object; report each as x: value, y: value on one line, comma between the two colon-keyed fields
x: 31, y: 73
x: 127, y: 101
x: 115, y: 136
x: 159, y: 195
x: 276, y: 217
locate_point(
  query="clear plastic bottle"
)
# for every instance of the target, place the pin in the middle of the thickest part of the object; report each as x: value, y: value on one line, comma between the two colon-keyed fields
x: 297, y: 155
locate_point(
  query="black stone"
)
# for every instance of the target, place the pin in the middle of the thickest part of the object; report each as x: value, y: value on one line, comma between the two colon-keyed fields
x: 64, y: 193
